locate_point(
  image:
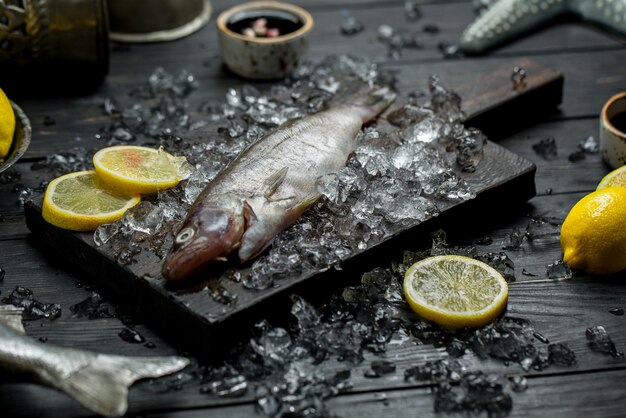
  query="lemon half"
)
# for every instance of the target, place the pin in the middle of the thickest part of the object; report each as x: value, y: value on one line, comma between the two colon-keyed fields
x: 81, y: 202
x: 455, y: 291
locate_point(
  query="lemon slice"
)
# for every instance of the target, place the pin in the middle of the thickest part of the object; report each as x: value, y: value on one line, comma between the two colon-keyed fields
x: 81, y: 202
x: 132, y: 169
x: 616, y: 178
x: 7, y: 125
x: 455, y: 291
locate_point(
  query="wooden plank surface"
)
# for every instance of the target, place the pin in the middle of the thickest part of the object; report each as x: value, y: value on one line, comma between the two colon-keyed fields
x: 594, y: 64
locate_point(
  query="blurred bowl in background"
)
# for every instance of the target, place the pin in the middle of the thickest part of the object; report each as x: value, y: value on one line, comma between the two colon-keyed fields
x: 21, y: 138
x: 139, y: 21
x: 264, y: 56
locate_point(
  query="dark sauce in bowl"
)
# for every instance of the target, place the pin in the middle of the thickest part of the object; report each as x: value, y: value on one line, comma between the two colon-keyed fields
x: 619, y: 122
x: 285, y: 22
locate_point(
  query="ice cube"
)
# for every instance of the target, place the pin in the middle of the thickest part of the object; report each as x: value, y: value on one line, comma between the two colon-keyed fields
x: 589, y: 145
x: 546, y: 148
x: 600, y: 341
x: 558, y: 270
x: 412, y: 11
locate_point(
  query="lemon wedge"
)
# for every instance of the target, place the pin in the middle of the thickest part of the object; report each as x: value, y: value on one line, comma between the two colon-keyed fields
x: 455, y: 291
x: 139, y: 170
x: 616, y: 178
x: 7, y: 125
x: 81, y: 202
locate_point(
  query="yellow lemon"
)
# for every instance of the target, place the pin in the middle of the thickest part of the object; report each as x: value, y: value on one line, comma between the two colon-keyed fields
x: 455, y: 291
x: 593, y: 236
x: 81, y: 202
x: 133, y: 169
x: 7, y: 125
x: 616, y: 178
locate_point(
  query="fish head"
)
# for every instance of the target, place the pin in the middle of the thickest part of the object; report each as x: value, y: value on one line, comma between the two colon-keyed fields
x: 210, y: 231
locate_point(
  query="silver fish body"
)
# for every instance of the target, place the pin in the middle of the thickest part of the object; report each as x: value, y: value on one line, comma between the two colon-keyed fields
x: 98, y: 381
x: 269, y: 185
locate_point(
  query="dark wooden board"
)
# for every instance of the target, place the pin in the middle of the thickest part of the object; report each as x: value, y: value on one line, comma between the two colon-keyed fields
x: 500, y: 175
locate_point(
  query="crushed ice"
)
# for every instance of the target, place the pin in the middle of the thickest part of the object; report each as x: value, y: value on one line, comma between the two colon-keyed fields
x: 277, y: 366
x: 400, y: 174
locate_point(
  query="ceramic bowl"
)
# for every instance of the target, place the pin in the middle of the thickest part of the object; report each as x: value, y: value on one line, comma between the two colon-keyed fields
x: 264, y: 57
x: 613, y: 140
x: 21, y: 138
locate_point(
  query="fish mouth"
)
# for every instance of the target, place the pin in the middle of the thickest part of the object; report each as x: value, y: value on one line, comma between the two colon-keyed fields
x: 180, y: 265
x: 216, y: 232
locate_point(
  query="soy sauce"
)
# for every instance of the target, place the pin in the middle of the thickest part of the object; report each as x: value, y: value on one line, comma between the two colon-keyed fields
x: 285, y: 22
x: 619, y: 122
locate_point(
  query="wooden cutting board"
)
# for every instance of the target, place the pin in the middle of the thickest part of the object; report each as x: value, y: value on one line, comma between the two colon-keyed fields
x: 193, y: 318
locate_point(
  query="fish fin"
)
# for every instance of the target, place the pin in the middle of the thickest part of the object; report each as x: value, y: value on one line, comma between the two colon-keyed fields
x: 248, y: 213
x: 102, y: 384
x: 270, y: 217
x: 305, y: 204
x: 11, y: 316
x: 274, y: 181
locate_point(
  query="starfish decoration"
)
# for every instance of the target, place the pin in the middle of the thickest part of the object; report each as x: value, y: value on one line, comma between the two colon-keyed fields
x: 507, y: 19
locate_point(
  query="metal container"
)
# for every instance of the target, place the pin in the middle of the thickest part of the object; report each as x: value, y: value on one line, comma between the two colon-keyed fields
x: 46, y: 42
x: 156, y: 20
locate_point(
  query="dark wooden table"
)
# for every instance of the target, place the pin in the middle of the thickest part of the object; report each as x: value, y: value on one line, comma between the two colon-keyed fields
x: 594, y: 65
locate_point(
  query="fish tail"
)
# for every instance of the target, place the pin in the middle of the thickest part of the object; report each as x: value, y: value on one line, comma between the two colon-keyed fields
x: 102, y: 384
x: 372, y: 102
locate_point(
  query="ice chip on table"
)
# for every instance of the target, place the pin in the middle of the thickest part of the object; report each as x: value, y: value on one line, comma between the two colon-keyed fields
x: 577, y: 156
x: 514, y: 240
x: 539, y: 227
x: 518, y: 383
x: 501, y: 262
x: 412, y: 10
x: 380, y: 368
x: 546, y: 148
x: 589, y: 145
x: 351, y: 26
x: 558, y: 270
x: 561, y: 354
x: 273, y: 345
x: 600, y: 341
x: 93, y: 307
x: 33, y: 309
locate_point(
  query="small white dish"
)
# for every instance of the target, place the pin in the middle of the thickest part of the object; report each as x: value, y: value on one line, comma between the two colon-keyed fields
x: 264, y: 57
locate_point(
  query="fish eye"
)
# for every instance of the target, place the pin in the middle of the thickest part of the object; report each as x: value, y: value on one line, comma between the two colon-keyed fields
x: 184, y: 235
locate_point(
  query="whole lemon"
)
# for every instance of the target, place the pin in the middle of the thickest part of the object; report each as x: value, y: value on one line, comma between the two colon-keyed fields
x: 593, y: 236
x: 7, y: 125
